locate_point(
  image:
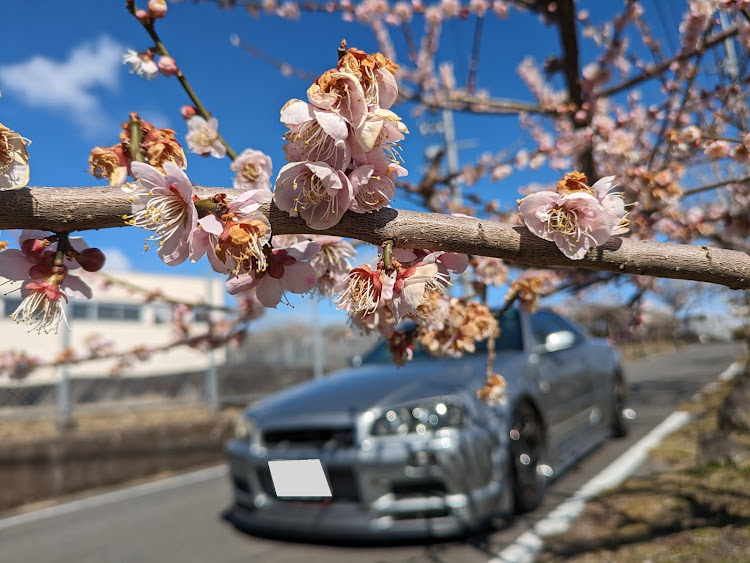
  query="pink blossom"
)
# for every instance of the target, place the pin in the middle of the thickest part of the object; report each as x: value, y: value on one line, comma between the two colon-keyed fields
x: 289, y: 10
x: 332, y: 262
x: 479, y: 7
x: 575, y: 221
x: 383, y: 129
x: 269, y: 6
x: 489, y: 271
x: 402, y: 11
x: 286, y: 271
x: 235, y: 240
x: 454, y: 262
x: 42, y: 306
x: 164, y: 205
x: 203, y: 137
x: 500, y: 172
x: 362, y: 290
x: 372, y: 189
x: 253, y: 169
x: 612, y: 203
x: 414, y: 286
x: 717, y: 149
x: 433, y: 15
x: 141, y: 64
x: 340, y: 93
x: 315, y: 135
x: 315, y: 191
x: 18, y: 365
x: 500, y: 8
x: 522, y: 159
x: 380, y: 321
x: 375, y: 72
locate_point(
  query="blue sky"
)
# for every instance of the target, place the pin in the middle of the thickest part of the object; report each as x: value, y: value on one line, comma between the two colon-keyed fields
x: 65, y: 88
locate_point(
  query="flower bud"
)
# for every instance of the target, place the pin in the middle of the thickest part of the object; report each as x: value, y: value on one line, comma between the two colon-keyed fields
x: 142, y: 16
x: 91, y: 259
x: 40, y: 271
x: 157, y: 8
x: 167, y: 66
x: 187, y: 112
x: 33, y: 246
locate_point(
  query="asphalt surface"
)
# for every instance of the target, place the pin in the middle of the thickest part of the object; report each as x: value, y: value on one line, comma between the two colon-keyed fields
x: 186, y: 524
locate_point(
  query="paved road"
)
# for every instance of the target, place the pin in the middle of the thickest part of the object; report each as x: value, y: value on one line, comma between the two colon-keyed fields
x: 185, y: 524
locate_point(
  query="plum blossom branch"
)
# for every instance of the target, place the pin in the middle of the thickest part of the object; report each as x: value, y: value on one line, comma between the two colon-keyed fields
x: 721, y: 184
x: 72, y: 209
x: 152, y: 295
x: 161, y: 49
x: 283, y: 67
x: 208, y: 339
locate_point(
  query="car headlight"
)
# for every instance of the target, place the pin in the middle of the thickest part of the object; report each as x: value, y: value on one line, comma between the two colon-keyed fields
x: 419, y: 419
x: 243, y: 428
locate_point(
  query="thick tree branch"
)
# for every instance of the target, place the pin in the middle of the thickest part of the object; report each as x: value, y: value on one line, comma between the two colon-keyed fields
x: 78, y: 209
x: 566, y: 23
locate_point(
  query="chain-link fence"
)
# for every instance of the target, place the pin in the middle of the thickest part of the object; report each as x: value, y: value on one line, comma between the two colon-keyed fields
x: 267, y: 362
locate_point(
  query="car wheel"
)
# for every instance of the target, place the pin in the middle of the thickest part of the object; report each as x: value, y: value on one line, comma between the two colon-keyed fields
x: 528, y: 452
x: 620, y: 425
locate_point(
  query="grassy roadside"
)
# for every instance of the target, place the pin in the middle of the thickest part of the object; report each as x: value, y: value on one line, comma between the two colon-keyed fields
x: 681, y: 510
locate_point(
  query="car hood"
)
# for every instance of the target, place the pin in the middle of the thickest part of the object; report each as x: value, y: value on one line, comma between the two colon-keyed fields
x: 350, y: 392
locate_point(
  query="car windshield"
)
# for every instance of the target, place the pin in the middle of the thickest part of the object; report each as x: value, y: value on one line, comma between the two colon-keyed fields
x: 510, y: 339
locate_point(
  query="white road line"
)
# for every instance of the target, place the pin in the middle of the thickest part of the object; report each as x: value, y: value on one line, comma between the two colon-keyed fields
x: 116, y: 496
x: 530, y: 543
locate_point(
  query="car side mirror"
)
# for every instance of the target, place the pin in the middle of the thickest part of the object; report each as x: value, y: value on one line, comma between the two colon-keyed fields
x: 556, y: 341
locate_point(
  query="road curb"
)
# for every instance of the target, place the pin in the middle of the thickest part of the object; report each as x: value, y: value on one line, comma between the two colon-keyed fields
x: 529, y: 544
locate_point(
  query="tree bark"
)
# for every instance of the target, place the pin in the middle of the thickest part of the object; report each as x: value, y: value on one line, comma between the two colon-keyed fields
x: 79, y: 209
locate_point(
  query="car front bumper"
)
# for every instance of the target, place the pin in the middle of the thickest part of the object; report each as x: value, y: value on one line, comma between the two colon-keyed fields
x: 441, y: 485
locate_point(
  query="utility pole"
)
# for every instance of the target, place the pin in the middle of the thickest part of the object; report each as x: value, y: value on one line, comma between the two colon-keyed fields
x: 64, y: 420
x: 451, y: 154
x: 211, y: 377
x: 318, y: 343
x: 730, y: 63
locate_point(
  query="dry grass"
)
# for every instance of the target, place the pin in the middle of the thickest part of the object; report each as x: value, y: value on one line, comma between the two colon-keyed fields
x: 683, y: 512
x: 30, y: 430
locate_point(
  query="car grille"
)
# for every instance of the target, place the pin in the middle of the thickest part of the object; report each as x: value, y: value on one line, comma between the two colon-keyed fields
x: 342, y: 481
x: 310, y: 437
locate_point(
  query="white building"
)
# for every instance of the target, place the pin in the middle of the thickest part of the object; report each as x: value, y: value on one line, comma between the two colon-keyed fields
x: 120, y: 314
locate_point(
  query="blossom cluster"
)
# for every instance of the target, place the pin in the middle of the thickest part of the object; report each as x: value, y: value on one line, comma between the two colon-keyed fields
x: 397, y: 13
x: 463, y: 325
x: 342, y: 144
x: 142, y: 63
x: 43, y: 266
x: 379, y: 296
x: 158, y: 146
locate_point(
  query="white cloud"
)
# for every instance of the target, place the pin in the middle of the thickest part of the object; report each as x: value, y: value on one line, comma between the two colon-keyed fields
x: 116, y: 260
x: 68, y: 85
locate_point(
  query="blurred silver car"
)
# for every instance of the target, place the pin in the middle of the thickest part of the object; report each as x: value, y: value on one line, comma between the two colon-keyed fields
x: 410, y: 451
